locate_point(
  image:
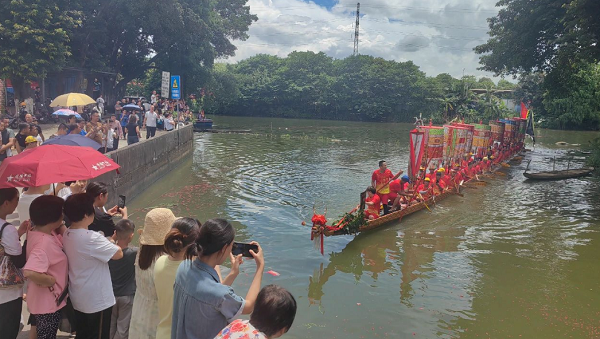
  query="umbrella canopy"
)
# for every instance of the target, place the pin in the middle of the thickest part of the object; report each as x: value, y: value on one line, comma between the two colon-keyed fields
x: 73, y: 140
x: 54, y: 163
x: 72, y: 99
x: 63, y: 112
x: 132, y: 107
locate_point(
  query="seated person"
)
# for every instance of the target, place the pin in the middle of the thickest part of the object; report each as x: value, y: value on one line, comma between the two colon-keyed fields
x: 399, y: 191
x: 373, y: 203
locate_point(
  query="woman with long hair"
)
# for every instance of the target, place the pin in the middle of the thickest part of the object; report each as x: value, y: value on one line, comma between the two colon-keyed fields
x: 199, y: 291
x: 144, y: 315
x: 178, y: 247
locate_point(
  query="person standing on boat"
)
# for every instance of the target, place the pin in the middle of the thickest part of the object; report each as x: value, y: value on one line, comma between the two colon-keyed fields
x: 373, y: 202
x: 380, y: 180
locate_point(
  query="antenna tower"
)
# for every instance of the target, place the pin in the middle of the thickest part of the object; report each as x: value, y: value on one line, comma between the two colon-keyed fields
x: 356, y: 29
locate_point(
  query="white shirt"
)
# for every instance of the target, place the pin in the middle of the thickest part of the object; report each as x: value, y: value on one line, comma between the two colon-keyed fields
x: 100, y: 102
x: 64, y: 193
x: 151, y: 119
x: 12, y: 246
x: 153, y: 98
x: 23, y: 207
x: 110, y: 137
x: 169, y: 123
x: 90, y: 287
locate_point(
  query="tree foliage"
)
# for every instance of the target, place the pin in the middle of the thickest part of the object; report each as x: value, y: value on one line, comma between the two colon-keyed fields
x: 34, y: 38
x: 363, y: 88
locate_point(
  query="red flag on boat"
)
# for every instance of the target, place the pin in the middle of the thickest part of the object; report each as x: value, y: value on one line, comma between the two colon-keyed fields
x: 524, y: 111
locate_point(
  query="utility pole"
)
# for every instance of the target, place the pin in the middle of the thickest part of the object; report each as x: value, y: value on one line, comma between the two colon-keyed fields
x: 356, y: 29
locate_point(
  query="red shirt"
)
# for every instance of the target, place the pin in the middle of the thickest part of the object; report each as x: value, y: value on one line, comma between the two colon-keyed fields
x: 376, y: 203
x: 458, y: 178
x: 382, y: 179
x: 395, y: 186
x: 446, y: 179
x: 431, y: 177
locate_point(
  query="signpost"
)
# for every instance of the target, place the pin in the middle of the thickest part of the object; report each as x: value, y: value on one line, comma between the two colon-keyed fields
x: 175, y: 87
x: 164, y: 87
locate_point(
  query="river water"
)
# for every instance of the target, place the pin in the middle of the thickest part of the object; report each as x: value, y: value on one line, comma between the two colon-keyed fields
x: 514, y: 259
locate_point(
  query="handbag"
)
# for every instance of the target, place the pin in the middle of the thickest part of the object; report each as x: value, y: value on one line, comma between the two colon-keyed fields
x: 10, y: 275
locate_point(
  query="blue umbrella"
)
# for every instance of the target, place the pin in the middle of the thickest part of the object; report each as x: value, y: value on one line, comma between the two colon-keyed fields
x: 73, y: 140
x: 132, y: 107
x: 63, y: 112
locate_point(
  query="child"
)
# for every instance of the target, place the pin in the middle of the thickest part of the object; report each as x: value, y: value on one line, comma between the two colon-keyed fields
x: 122, y: 274
x: 273, y: 315
x: 90, y: 284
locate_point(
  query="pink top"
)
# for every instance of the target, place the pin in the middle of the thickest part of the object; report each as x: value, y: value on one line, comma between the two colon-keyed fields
x: 45, y: 255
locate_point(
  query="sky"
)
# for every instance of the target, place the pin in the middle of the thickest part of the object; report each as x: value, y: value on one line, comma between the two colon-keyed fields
x: 437, y: 35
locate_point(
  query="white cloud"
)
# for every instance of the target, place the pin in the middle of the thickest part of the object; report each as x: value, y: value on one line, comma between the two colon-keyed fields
x: 437, y: 35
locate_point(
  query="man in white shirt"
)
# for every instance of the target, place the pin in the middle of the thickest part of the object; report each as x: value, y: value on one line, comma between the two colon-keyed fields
x: 150, y: 122
x: 153, y: 98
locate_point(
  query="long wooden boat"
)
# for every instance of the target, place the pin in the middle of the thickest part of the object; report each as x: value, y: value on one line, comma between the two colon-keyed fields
x: 559, y: 175
x: 397, y: 215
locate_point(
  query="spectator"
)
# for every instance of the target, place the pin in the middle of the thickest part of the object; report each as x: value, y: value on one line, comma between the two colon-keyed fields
x: 103, y: 220
x: 88, y: 252
x: 124, y: 121
x: 81, y: 124
x: 46, y: 267
x: 30, y: 119
x: 74, y: 129
x: 36, y: 133
x: 273, y: 316
x: 150, y: 122
x: 97, y: 87
x: 169, y: 122
x: 122, y: 273
x: 31, y: 142
x: 133, y: 130
x: 27, y: 197
x: 198, y: 289
x: 100, y: 104
x: 94, y: 129
x: 109, y: 140
x: 72, y: 187
x: 178, y: 245
x: 62, y: 130
x: 118, y: 108
x: 153, y: 98
x: 116, y: 125
x: 11, y: 134
x: 24, y: 132
x: 11, y: 297
x: 7, y: 141
x: 72, y: 119
x: 144, y: 316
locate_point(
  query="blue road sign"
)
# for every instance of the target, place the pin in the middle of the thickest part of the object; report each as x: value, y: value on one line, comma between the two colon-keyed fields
x: 175, y: 87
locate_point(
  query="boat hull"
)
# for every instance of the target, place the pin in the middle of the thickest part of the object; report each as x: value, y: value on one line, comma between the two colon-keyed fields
x: 203, y: 125
x: 559, y: 175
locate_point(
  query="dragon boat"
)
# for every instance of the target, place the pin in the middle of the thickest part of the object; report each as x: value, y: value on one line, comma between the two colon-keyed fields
x: 432, y: 145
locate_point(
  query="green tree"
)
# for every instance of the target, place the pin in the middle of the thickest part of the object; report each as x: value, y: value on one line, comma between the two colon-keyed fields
x: 34, y: 39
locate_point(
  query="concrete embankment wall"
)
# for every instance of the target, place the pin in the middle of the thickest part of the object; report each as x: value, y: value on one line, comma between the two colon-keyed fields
x: 142, y: 164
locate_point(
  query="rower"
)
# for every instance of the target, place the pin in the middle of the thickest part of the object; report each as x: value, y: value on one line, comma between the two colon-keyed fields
x: 373, y: 203
x: 439, y: 184
x: 431, y: 175
x: 380, y: 180
x: 398, y: 190
x: 445, y: 176
x: 424, y: 189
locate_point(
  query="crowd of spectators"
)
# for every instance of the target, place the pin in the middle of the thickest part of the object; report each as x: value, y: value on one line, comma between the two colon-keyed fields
x: 81, y: 271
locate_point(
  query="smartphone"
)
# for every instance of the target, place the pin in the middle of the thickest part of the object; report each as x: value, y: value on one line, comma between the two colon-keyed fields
x: 121, y: 202
x: 243, y: 249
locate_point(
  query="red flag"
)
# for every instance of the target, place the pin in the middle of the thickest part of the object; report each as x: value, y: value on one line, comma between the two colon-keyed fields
x: 524, y: 111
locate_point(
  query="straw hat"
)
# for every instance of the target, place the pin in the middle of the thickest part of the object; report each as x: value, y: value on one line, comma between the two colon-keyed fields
x: 157, y: 224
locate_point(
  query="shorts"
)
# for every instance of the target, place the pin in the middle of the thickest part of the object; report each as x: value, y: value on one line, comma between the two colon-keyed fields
x: 384, y: 198
x: 369, y: 213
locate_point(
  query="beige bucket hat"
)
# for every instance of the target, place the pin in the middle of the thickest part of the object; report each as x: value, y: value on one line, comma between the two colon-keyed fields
x: 157, y: 224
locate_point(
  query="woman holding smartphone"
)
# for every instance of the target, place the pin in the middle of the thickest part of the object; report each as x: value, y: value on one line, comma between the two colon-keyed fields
x: 198, y: 289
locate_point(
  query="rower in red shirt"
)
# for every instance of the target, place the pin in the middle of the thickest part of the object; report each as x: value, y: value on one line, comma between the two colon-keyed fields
x: 445, y: 176
x: 399, y: 189
x: 373, y: 203
x: 431, y: 175
x: 380, y: 180
x: 424, y: 189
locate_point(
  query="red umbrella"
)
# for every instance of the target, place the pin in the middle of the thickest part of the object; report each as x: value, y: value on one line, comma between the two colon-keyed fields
x: 53, y: 163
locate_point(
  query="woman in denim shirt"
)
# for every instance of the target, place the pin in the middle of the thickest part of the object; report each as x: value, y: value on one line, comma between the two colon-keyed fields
x: 202, y: 306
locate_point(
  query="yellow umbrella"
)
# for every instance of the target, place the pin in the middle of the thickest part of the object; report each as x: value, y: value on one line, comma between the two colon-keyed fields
x: 72, y: 99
